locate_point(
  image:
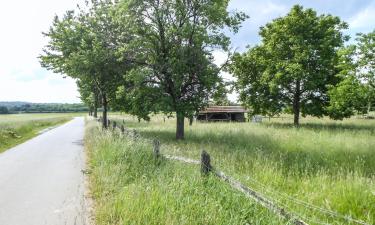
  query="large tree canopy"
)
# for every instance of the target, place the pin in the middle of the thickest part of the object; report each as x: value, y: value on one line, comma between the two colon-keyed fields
x: 174, y: 45
x: 293, y: 66
x: 85, y: 46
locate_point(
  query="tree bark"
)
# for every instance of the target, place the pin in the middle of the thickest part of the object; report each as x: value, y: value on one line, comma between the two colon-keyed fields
x: 191, y: 120
x: 180, y: 128
x: 297, y: 102
x: 96, y: 100
x: 95, y: 112
x: 105, y: 109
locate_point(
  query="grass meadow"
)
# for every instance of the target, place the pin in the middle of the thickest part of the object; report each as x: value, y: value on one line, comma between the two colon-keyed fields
x: 322, y: 172
x: 17, y: 128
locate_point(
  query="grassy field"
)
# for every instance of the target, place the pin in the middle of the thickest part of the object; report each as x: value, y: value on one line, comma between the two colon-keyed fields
x: 321, y: 167
x: 17, y: 128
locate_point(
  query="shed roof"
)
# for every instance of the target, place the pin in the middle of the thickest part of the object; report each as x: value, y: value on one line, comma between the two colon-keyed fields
x: 224, y: 109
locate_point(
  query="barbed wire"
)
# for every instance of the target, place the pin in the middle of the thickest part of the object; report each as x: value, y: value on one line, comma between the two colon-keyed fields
x: 309, y: 205
x: 133, y: 133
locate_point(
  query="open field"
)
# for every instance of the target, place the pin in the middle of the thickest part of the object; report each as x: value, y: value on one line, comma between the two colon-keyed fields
x: 17, y: 128
x: 131, y: 187
x: 323, y: 163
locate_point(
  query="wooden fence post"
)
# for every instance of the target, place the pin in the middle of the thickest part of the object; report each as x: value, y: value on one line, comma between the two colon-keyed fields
x: 134, y: 135
x: 205, y: 163
x: 156, y: 148
x: 122, y: 129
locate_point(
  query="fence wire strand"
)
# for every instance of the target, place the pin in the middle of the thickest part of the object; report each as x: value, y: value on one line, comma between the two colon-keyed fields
x: 132, y: 133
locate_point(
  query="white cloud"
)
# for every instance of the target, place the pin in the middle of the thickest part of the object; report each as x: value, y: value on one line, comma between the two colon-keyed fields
x: 53, y: 88
x: 220, y: 58
x: 364, y: 19
x: 260, y: 12
x: 21, y: 41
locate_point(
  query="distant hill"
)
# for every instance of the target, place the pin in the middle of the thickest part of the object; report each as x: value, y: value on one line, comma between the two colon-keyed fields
x: 28, y: 107
x: 13, y: 104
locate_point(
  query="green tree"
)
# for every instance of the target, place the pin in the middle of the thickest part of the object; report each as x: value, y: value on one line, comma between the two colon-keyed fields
x: 220, y: 95
x: 89, y: 95
x: 293, y: 66
x: 366, y: 65
x: 4, y: 110
x: 366, y: 58
x: 356, y: 92
x: 253, y: 84
x: 174, y: 45
x: 85, y: 45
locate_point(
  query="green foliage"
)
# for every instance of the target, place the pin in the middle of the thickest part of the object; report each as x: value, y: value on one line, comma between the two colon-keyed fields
x: 85, y: 45
x: 293, y: 66
x: 220, y: 95
x: 89, y: 95
x: 254, y: 88
x: 366, y: 58
x: 356, y: 93
x: 347, y: 98
x: 174, y: 45
x: 4, y: 110
x: 26, y: 107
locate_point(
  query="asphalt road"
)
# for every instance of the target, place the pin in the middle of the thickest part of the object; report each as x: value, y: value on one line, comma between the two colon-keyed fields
x: 41, y: 180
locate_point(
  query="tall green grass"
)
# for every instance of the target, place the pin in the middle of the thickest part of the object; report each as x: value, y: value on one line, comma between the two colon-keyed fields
x: 17, y: 128
x: 130, y: 186
x: 325, y: 163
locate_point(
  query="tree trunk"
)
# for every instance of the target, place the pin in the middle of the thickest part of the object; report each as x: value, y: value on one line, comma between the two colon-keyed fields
x: 297, y: 102
x: 95, y: 106
x: 180, y: 126
x: 368, y: 108
x: 95, y: 112
x: 105, y: 109
x: 191, y: 120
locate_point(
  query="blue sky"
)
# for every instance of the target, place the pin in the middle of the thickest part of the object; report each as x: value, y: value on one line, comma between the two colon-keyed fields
x: 359, y: 14
x: 21, y: 41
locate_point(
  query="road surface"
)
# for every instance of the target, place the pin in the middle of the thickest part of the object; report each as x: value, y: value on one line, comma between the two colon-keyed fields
x: 41, y: 180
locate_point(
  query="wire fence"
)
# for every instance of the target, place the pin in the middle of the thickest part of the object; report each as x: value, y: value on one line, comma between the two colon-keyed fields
x: 270, y: 198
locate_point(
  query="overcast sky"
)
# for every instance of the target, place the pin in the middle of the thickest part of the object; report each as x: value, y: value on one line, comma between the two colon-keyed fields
x: 21, y: 41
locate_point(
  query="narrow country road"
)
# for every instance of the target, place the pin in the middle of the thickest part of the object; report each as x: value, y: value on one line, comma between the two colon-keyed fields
x: 41, y: 180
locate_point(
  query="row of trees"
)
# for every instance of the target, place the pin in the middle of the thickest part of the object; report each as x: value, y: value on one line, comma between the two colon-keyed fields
x: 303, y: 67
x: 4, y: 110
x: 26, y: 107
x: 144, y: 56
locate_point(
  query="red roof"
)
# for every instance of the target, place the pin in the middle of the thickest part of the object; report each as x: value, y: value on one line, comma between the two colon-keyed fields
x: 226, y: 109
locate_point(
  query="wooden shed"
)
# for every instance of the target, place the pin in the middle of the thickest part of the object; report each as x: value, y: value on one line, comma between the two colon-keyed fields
x: 223, y: 113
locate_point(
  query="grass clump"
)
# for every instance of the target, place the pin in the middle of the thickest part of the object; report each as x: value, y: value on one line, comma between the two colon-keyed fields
x: 17, y: 128
x: 324, y: 163
x: 130, y: 186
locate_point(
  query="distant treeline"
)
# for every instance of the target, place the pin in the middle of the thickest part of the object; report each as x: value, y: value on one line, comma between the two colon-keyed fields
x: 26, y: 107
